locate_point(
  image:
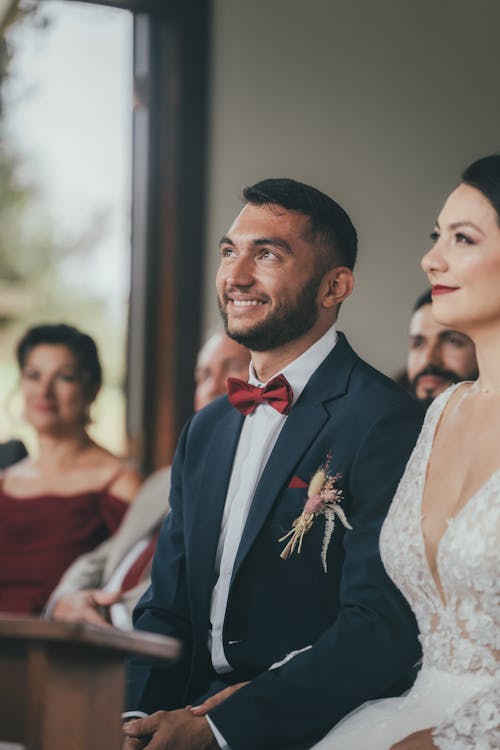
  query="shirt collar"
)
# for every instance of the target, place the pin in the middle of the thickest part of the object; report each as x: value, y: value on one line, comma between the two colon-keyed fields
x: 300, y: 370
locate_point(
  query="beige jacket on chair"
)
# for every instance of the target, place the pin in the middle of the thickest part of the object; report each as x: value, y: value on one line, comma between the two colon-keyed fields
x: 94, y: 569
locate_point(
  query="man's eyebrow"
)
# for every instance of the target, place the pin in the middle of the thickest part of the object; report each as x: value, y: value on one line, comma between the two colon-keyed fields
x: 274, y: 241
x: 262, y: 242
x: 452, y: 332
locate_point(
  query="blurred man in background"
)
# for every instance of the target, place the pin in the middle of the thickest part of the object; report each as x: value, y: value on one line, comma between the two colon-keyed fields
x: 438, y: 356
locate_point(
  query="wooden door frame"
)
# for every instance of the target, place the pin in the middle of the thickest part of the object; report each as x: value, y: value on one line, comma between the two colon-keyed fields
x: 171, y: 58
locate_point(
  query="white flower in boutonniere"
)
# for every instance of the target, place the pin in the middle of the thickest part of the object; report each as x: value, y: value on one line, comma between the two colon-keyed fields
x: 323, y: 498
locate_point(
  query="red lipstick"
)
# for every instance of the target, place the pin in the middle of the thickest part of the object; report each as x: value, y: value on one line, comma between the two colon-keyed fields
x: 441, y: 289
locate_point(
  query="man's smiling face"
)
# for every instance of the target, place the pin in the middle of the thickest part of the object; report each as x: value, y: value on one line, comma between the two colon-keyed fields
x: 268, y: 278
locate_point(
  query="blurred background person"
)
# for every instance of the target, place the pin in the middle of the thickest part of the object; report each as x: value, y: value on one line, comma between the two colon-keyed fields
x: 438, y: 355
x: 104, y: 585
x: 74, y: 493
x: 219, y: 358
x: 11, y: 452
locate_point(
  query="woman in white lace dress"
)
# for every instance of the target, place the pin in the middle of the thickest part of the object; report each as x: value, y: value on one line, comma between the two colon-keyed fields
x: 441, y: 540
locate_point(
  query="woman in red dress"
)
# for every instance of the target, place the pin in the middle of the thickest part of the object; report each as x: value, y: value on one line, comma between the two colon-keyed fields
x: 73, y: 495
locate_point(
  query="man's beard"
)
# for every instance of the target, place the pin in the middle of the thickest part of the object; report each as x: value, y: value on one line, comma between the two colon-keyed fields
x: 449, y: 375
x: 289, y: 321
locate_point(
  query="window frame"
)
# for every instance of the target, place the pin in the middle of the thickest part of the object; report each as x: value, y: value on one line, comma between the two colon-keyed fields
x: 171, y: 78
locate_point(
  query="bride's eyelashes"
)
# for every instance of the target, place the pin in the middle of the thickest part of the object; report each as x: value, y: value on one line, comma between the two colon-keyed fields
x: 459, y: 237
x: 462, y: 238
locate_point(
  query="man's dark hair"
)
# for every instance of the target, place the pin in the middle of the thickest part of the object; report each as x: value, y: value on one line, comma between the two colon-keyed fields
x: 329, y: 224
x: 80, y: 344
x: 424, y: 299
x: 484, y: 175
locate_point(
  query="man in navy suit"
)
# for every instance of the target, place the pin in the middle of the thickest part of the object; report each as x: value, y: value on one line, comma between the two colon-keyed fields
x: 287, y: 631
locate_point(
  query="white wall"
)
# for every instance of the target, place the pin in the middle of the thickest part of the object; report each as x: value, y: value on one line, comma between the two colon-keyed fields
x: 380, y: 104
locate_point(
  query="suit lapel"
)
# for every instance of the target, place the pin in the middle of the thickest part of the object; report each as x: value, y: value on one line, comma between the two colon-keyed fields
x: 305, y: 421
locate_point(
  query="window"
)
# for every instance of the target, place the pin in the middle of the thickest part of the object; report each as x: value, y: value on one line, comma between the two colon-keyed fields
x: 66, y: 171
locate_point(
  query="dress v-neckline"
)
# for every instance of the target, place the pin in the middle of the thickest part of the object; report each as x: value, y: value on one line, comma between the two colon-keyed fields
x: 436, y: 579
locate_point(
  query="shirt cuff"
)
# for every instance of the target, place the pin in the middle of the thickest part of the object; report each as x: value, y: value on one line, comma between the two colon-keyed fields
x: 120, y: 617
x: 131, y: 715
x: 218, y: 736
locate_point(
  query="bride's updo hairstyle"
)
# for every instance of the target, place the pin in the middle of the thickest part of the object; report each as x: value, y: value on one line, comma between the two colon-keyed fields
x: 484, y: 175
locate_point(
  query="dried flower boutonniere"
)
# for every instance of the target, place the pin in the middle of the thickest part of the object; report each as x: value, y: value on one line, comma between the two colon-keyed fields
x: 323, y: 498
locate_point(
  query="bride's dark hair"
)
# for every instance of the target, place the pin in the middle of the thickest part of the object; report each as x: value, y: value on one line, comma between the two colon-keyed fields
x: 484, y: 175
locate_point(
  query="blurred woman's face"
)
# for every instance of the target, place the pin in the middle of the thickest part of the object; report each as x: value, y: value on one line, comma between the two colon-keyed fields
x: 55, y: 397
x: 463, y: 265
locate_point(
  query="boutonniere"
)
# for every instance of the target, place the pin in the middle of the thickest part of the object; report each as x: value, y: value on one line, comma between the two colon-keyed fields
x: 323, y: 498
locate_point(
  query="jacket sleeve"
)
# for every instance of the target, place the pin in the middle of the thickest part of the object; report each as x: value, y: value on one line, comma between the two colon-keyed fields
x: 85, y: 573
x: 371, y: 645
x: 164, y: 608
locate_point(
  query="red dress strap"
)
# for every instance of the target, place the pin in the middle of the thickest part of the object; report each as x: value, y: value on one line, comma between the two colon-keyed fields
x: 121, y: 469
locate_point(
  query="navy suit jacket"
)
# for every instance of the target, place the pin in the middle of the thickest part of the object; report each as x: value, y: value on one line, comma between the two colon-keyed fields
x: 363, y: 634
x: 11, y: 452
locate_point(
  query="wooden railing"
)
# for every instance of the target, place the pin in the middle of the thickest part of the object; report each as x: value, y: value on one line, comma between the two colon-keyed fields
x: 62, y: 684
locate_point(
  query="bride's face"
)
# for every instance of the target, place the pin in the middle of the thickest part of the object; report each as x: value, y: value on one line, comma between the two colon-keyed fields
x: 463, y: 265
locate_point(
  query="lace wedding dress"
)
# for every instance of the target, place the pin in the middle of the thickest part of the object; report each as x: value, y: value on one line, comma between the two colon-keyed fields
x: 457, y: 690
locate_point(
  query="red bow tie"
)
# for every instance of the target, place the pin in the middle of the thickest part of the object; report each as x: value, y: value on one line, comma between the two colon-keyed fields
x: 245, y: 397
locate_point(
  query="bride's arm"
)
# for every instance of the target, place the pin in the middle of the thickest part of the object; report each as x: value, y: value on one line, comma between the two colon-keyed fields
x: 421, y: 740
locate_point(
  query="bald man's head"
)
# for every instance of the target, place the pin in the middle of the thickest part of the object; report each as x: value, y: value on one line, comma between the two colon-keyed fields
x: 220, y: 358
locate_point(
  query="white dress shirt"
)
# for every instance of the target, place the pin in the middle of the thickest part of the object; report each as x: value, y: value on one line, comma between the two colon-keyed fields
x: 119, y: 614
x: 258, y: 437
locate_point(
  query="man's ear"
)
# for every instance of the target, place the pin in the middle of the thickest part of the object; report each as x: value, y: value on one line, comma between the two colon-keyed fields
x: 336, y: 286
